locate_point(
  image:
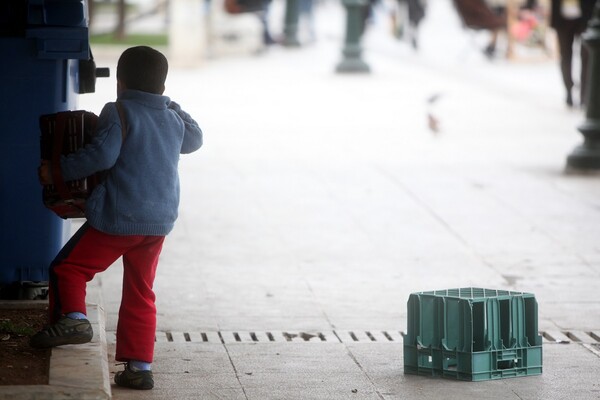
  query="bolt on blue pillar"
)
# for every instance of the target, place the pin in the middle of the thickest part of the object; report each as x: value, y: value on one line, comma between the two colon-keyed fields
x: 41, y: 42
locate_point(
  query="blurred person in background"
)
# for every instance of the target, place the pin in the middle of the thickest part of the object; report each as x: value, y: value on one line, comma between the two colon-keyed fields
x: 263, y: 16
x: 307, y: 19
x: 415, y: 10
x: 570, y: 18
x: 368, y: 14
x: 478, y: 15
x: 258, y: 7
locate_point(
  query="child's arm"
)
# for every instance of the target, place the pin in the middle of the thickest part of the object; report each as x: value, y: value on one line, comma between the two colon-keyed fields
x: 192, y: 138
x: 101, y: 153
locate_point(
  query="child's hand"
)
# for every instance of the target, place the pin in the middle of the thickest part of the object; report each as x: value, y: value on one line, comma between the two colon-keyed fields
x: 45, y: 173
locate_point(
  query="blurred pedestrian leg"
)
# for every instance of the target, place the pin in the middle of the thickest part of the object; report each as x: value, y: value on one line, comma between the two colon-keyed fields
x: 415, y: 10
x: 569, y: 18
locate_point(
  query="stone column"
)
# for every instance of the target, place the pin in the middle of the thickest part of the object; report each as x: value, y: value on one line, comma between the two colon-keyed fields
x: 187, y: 32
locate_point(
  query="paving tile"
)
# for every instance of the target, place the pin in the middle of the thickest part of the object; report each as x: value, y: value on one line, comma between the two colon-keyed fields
x: 291, y: 358
x: 186, y: 370
x: 383, y: 363
x: 297, y: 371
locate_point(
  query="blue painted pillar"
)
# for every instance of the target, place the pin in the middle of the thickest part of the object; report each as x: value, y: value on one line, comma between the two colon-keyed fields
x: 41, y: 43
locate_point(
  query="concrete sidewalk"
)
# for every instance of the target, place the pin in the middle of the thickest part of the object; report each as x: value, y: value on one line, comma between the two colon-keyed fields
x: 76, y: 371
x: 319, y: 202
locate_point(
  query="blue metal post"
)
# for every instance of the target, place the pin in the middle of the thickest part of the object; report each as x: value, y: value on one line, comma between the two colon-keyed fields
x: 41, y: 42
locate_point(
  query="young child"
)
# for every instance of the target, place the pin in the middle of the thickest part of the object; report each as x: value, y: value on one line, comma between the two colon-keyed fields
x: 128, y: 214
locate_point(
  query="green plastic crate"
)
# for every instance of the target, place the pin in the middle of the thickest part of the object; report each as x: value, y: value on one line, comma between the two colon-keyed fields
x: 472, y: 334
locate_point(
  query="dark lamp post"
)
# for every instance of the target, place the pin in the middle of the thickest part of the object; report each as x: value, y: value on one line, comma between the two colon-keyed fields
x: 587, y: 155
x: 352, y: 53
x: 291, y: 18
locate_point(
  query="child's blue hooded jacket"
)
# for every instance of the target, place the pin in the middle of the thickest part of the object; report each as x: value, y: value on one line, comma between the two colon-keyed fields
x: 140, y: 195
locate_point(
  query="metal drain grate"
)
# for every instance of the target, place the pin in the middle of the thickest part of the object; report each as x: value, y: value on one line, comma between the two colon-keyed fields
x: 389, y: 336
x: 565, y: 337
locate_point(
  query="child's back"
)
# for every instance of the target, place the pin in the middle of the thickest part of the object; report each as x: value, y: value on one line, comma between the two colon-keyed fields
x: 128, y: 214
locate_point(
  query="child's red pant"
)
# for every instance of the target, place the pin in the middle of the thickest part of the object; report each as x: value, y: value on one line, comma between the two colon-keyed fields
x: 90, y: 251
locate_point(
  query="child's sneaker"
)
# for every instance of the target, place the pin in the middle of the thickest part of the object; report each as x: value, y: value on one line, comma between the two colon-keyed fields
x: 141, y: 380
x: 64, y: 331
